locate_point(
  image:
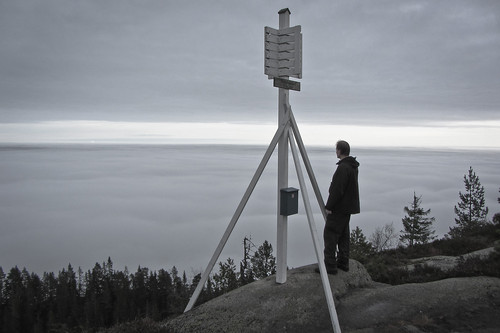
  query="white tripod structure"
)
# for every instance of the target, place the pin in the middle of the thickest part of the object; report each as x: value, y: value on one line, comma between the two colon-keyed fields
x: 289, y: 131
x: 282, y: 47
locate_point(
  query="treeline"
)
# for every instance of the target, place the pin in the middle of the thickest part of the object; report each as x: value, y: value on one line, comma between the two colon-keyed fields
x: 386, y: 252
x: 471, y: 218
x: 74, y: 301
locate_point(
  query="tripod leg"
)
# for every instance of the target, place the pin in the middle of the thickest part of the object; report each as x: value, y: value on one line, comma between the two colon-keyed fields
x: 307, y: 163
x: 237, y: 213
x: 314, y: 234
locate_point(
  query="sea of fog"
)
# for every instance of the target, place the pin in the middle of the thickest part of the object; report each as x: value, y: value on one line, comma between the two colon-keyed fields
x: 160, y: 206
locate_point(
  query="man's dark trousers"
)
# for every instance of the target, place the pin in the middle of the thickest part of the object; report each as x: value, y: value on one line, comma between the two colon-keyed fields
x: 337, y: 232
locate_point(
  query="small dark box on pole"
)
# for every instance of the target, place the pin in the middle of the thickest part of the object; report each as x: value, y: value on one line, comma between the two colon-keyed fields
x: 289, y: 201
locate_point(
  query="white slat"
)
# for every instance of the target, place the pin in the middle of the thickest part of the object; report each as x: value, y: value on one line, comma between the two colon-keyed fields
x: 283, y: 52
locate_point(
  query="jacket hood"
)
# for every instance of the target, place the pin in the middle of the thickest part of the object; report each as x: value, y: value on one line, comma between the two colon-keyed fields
x: 350, y: 160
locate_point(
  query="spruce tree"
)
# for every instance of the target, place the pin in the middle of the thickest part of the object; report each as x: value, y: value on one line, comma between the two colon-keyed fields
x: 417, y: 226
x: 471, y: 211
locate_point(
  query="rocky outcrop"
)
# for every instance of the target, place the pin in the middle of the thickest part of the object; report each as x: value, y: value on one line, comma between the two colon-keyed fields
x: 363, y: 306
x: 299, y: 305
x: 451, y: 305
x: 447, y: 263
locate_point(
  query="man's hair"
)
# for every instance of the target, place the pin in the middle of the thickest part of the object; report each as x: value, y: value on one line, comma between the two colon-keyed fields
x: 344, y: 147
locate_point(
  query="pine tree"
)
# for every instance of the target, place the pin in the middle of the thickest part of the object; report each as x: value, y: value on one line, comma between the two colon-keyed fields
x: 210, y: 289
x: 246, y: 271
x: 165, y: 292
x: 263, y: 261
x: 471, y: 211
x: 15, y: 306
x: 496, y: 217
x: 226, y: 280
x: 94, y: 296
x: 153, y: 300
x: 2, y: 283
x: 417, y: 226
x: 179, y: 292
x: 360, y: 248
x: 66, y: 297
x: 122, y: 291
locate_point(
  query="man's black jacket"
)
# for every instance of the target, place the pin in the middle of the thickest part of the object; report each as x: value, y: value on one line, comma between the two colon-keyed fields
x: 344, y: 191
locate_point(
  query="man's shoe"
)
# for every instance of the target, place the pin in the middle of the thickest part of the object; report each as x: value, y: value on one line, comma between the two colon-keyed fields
x: 343, y: 265
x: 329, y: 270
x: 344, y: 268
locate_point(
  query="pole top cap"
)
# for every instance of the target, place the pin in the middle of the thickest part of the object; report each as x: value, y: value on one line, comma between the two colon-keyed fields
x: 284, y: 10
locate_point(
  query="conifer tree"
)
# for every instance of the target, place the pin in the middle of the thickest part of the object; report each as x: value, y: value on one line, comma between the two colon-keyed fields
x: 165, y: 291
x: 122, y: 294
x: 246, y: 271
x: 417, y: 226
x: 471, y: 211
x: 226, y: 280
x: 360, y: 248
x: 99, y: 298
x: 263, y: 261
x: 496, y: 217
x: 2, y: 282
x: 14, y: 309
x: 210, y: 292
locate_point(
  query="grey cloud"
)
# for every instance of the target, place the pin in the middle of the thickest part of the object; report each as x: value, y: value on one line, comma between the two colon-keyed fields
x: 178, y: 61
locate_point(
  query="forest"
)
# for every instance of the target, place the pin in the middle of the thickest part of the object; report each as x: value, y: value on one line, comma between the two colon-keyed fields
x: 77, y: 301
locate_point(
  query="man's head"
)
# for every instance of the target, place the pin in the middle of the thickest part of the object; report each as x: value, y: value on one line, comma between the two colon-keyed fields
x: 343, y: 149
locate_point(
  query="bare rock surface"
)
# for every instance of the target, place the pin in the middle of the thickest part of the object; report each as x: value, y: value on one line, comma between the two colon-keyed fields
x: 451, y: 305
x: 363, y: 306
x: 446, y: 263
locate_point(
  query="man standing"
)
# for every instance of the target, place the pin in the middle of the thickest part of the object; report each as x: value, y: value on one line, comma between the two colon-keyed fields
x: 343, y: 200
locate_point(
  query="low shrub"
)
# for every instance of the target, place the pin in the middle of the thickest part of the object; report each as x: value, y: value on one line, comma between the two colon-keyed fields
x: 389, y: 266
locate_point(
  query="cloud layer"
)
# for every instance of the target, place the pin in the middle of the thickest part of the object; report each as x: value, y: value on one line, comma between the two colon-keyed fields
x: 385, y: 62
x: 160, y: 206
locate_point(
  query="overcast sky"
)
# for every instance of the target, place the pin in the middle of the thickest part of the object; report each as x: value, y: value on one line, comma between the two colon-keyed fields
x: 415, y: 70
